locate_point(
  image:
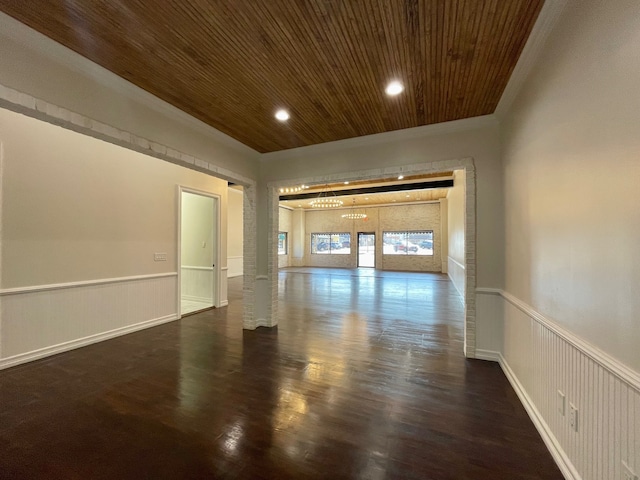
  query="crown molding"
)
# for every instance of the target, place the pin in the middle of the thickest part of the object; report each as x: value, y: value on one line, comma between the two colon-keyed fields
x: 58, y: 53
x: 547, y: 20
x: 385, y: 137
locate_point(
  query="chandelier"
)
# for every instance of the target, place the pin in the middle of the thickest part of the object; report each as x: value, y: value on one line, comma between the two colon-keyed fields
x: 353, y: 215
x: 324, y: 200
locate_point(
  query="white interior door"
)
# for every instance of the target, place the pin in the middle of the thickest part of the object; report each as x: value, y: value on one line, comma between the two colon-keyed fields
x: 198, y: 251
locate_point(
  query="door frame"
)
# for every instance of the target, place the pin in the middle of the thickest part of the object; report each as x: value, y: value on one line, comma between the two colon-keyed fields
x: 216, y: 250
x: 375, y: 241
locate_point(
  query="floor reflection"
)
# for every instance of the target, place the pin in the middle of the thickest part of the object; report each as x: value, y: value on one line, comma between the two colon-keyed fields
x: 364, y: 377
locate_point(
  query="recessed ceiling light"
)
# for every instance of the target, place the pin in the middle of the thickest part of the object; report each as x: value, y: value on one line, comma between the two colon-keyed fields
x: 407, y: 196
x: 282, y: 115
x: 394, y: 88
x: 346, y: 183
x: 400, y: 177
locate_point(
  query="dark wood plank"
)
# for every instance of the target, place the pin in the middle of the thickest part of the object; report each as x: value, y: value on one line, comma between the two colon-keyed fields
x: 363, y: 378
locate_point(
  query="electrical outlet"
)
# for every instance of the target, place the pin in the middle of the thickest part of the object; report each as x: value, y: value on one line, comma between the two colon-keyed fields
x: 160, y: 257
x: 627, y: 473
x: 573, y: 417
x: 561, y: 403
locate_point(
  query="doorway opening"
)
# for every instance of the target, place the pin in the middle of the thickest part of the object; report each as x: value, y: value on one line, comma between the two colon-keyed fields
x: 366, y: 249
x: 198, y: 251
x: 468, y: 221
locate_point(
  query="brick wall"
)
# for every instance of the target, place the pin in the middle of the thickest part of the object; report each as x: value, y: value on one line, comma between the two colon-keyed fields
x: 424, y: 216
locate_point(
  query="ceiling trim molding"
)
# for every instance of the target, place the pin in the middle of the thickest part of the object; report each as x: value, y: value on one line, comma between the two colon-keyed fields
x: 385, y: 137
x: 31, y: 39
x: 547, y: 20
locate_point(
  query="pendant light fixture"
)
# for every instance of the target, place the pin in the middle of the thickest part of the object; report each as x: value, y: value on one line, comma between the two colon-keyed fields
x: 353, y: 215
x: 324, y: 200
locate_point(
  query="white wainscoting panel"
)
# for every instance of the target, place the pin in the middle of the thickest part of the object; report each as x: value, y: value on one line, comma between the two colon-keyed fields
x: 197, y: 284
x: 540, y: 357
x: 489, y: 324
x: 235, y: 265
x: 456, y: 272
x: 43, y: 320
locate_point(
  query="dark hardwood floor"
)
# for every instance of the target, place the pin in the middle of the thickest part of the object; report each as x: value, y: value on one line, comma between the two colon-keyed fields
x: 363, y: 378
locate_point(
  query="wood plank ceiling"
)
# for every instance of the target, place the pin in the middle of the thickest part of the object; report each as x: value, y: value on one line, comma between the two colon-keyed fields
x: 231, y: 64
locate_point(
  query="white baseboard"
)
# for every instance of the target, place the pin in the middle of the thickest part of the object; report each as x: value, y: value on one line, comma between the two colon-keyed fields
x: 541, y: 357
x: 559, y: 455
x: 224, y: 303
x: 487, y: 355
x: 193, y: 298
x: 82, y: 342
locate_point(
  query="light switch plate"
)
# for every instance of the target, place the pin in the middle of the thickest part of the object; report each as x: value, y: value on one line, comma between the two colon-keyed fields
x: 160, y: 257
x: 573, y: 417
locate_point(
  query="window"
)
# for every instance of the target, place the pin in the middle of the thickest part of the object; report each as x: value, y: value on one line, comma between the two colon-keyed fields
x: 408, y: 243
x: 331, y: 243
x: 282, y: 243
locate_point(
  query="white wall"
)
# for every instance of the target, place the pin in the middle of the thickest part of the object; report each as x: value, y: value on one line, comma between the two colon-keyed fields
x: 235, y: 232
x: 75, y: 208
x: 455, y: 220
x: 297, y: 240
x: 571, y: 307
x: 572, y: 173
x: 81, y: 220
x: 444, y: 228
